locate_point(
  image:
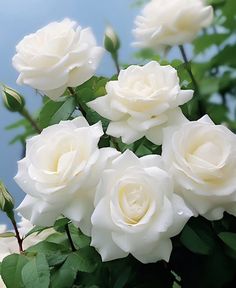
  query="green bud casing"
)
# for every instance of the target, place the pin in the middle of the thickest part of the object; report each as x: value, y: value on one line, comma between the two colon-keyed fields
x: 111, y: 40
x: 6, y: 201
x: 12, y: 99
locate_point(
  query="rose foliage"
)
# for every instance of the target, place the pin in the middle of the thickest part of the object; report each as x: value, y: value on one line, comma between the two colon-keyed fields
x: 129, y: 181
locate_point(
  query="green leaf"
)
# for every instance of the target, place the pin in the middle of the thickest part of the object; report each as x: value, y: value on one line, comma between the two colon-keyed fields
x: 36, y: 273
x: 84, y: 260
x: 58, y: 238
x: 57, y: 258
x: 11, y: 270
x: 209, y: 86
x: 218, y: 113
x: 226, y: 57
x: 54, y: 112
x: 60, y: 224
x: 55, y: 253
x: 205, y: 41
x: 7, y: 235
x: 36, y: 229
x: 197, y: 237
x: 17, y: 124
x: 123, y: 279
x: 64, y: 276
x: 46, y: 247
x: 229, y: 239
x: 79, y: 239
x: 218, y: 269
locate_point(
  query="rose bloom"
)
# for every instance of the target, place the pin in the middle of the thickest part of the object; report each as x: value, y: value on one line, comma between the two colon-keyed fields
x: 167, y: 23
x: 201, y: 157
x: 59, y: 55
x: 136, y: 211
x: 60, y: 171
x: 142, y: 101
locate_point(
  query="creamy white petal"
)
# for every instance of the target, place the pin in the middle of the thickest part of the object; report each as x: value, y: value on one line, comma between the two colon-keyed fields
x: 58, y: 56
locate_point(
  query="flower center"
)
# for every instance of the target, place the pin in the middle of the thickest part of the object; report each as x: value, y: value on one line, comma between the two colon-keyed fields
x: 134, y: 202
x: 208, y: 152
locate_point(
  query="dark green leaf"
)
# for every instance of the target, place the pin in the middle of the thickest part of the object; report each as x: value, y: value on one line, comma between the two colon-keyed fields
x: 197, y: 237
x: 84, y: 260
x: 37, y: 230
x: 54, y: 112
x: 36, y: 273
x: 229, y: 239
x: 46, y: 247
x: 11, y: 268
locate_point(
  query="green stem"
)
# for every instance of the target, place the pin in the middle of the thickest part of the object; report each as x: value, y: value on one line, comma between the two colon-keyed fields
x: 69, y: 237
x: 116, y: 62
x: 201, y: 107
x: 33, y: 123
x: 72, y: 92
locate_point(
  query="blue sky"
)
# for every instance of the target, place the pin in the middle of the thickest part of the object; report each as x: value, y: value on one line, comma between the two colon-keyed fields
x: 19, y: 18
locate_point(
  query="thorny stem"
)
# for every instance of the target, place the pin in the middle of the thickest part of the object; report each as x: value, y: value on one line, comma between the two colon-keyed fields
x: 72, y: 92
x: 33, y: 123
x: 201, y: 107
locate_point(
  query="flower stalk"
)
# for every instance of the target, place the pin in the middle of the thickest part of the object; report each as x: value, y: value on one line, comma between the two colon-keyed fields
x: 73, y: 94
x: 7, y: 206
x: 112, y: 45
x: 201, y: 107
x: 19, y: 239
x: 69, y: 237
x: 116, y: 61
x: 25, y: 113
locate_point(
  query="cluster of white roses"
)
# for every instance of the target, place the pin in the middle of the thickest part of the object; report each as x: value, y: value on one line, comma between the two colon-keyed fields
x: 125, y: 203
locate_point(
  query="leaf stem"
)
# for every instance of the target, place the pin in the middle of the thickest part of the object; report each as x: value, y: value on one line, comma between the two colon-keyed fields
x: 72, y: 92
x: 25, y: 113
x: 69, y: 238
x: 201, y: 107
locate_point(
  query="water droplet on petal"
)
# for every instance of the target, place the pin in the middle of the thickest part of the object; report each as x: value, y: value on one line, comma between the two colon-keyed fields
x: 180, y: 213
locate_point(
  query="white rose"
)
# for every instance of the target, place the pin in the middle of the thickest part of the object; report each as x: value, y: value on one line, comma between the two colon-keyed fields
x: 167, y: 23
x: 201, y: 157
x: 58, y: 56
x: 60, y: 171
x: 136, y: 211
x: 142, y: 101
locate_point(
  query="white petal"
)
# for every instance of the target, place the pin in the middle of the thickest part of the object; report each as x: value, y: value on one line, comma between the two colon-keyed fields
x: 123, y: 130
x: 38, y: 212
x: 102, y: 106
